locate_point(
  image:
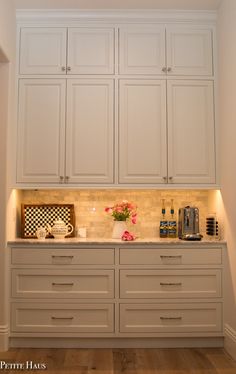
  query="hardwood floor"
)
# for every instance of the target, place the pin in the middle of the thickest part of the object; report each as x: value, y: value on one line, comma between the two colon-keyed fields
x: 116, y: 361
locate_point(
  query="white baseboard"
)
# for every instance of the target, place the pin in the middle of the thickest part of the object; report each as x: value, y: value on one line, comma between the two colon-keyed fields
x: 117, y: 343
x: 4, y: 338
x: 230, y: 341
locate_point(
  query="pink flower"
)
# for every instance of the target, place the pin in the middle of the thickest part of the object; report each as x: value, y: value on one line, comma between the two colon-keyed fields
x: 123, y: 211
x: 127, y: 236
x: 108, y: 210
x: 134, y: 218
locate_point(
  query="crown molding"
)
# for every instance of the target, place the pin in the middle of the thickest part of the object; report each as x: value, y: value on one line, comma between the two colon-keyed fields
x: 42, y: 16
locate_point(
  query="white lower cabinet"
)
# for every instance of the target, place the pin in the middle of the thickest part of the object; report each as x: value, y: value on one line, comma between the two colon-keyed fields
x: 112, y: 291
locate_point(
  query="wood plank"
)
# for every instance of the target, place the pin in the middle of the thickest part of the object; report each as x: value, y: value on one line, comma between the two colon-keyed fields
x: 124, y: 361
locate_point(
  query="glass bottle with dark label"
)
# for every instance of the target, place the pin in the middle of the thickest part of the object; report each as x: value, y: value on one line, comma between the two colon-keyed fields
x: 172, y: 224
x: 163, y: 222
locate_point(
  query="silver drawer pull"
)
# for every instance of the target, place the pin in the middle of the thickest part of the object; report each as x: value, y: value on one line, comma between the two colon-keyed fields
x: 62, y: 284
x: 171, y: 284
x: 169, y: 318
x: 56, y: 256
x: 52, y: 317
x: 177, y: 256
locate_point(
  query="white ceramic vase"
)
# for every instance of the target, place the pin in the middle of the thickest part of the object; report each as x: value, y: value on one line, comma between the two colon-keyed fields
x: 118, y: 229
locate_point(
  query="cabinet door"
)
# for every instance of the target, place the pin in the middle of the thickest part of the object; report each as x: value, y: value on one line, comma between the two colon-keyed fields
x: 189, y: 51
x: 90, y: 51
x: 41, y: 130
x: 89, y: 141
x: 191, y: 139
x: 43, y: 50
x: 142, y: 131
x: 142, y: 50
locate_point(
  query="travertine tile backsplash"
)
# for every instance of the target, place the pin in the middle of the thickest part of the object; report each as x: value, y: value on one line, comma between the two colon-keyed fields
x: 90, y: 204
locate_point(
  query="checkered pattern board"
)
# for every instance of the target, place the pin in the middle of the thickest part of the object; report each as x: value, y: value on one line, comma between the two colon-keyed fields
x: 34, y: 216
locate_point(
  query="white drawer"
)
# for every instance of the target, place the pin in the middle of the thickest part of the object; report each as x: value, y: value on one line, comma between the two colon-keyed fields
x: 46, y: 317
x: 67, y: 283
x: 170, y: 256
x: 49, y: 256
x: 205, y: 317
x: 170, y: 283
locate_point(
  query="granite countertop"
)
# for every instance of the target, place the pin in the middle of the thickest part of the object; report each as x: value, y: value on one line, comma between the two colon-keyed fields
x: 109, y: 241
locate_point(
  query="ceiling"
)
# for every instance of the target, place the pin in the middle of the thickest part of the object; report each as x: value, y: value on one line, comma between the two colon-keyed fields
x: 118, y: 4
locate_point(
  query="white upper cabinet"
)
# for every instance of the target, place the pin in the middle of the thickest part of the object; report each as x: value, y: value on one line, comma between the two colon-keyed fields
x: 89, y: 141
x: 41, y: 130
x: 147, y: 139
x: 191, y: 141
x: 189, y: 51
x: 172, y: 50
x: 142, y: 136
x: 43, y: 50
x: 52, y: 51
x: 90, y: 51
x: 142, y: 50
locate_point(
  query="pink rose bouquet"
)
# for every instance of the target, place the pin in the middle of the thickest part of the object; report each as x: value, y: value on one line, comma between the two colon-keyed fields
x: 123, y: 211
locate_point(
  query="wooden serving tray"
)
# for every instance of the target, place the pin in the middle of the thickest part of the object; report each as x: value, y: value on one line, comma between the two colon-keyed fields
x: 35, y: 215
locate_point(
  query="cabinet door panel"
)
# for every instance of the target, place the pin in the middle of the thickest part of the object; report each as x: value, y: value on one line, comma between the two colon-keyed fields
x: 142, y: 131
x: 142, y: 50
x: 189, y: 51
x: 170, y: 284
x: 43, y: 50
x: 62, y: 318
x: 178, y: 318
x: 191, y: 146
x: 91, y: 51
x: 41, y: 130
x: 90, y: 131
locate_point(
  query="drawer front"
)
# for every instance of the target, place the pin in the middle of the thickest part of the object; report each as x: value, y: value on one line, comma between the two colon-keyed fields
x: 48, y: 256
x: 36, y: 283
x: 170, y: 256
x: 45, y: 317
x: 205, y: 317
x: 170, y: 283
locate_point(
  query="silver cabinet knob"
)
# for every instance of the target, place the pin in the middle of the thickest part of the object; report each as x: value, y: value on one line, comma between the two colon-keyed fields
x: 164, y: 179
x: 63, y: 68
x: 164, y: 69
x: 68, y: 68
x: 61, y: 179
x: 169, y: 70
x: 171, y: 179
x: 67, y: 179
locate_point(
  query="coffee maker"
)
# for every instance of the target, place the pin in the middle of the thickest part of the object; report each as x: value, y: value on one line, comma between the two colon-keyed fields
x: 188, y: 223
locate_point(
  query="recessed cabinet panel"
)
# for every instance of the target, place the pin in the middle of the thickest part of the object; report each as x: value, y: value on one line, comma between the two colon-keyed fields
x: 142, y: 131
x: 180, y: 318
x: 41, y: 130
x: 63, y: 257
x: 170, y: 256
x: 142, y: 50
x: 189, y: 51
x: 53, y: 284
x: 173, y: 283
x: 62, y: 318
x: 191, y: 141
x: 89, y: 156
x: 90, y: 51
x: 43, y: 50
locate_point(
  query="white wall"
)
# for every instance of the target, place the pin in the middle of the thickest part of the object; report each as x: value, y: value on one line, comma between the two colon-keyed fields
x: 7, y: 84
x: 227, y: 106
